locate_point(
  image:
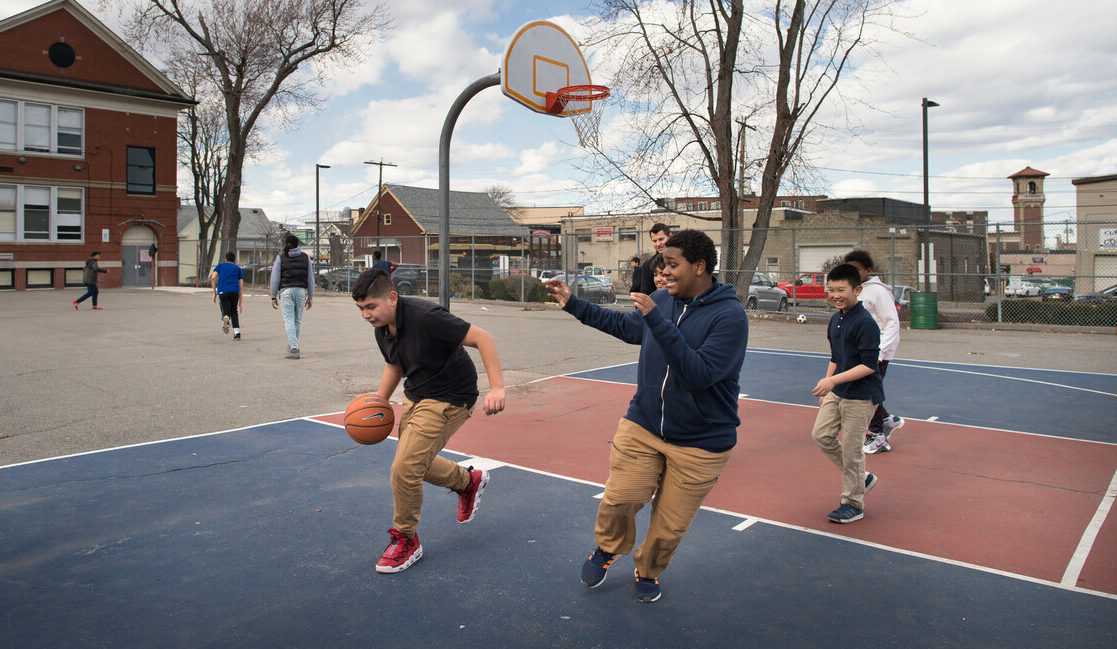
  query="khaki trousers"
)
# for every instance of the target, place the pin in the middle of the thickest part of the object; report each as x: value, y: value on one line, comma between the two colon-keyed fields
x: 641, y: 465
x: 424, y: 429
x: 850, y: 417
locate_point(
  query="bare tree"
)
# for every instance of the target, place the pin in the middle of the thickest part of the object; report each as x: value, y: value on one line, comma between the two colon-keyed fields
x: 502, y: 196
x: 251, y: 52
x: 689, y: 71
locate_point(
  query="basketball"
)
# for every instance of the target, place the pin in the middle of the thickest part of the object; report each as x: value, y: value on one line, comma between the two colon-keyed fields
x: 369, y: 419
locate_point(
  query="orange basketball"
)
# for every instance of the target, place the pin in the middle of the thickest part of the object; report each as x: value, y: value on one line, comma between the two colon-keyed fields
x: 369, y: 419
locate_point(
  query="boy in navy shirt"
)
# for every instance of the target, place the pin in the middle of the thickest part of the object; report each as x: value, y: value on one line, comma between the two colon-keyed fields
x: 849, y: 393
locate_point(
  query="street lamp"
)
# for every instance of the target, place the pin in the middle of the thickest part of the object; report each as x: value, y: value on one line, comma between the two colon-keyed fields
x: 316, y: 224
x: 927, y: 103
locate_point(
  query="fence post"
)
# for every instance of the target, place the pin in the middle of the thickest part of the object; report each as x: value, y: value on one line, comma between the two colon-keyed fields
x: 1000, y: 285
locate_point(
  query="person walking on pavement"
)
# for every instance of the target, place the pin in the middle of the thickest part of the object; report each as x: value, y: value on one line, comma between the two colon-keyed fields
x: 89, y: 278
x: 292, y: 288
x: 227, y: 280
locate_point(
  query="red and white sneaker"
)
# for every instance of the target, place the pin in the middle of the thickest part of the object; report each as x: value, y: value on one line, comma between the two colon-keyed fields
x: 470, y: 497
x: 76, y: 306
x: 400, y: 553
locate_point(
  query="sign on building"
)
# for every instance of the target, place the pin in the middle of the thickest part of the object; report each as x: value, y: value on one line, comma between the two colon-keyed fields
x: 603, y: 233
x: 1107, y: 238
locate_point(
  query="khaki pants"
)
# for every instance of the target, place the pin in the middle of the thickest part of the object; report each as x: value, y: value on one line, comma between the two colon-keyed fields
x: 641, y: 465
x: 424, y: 429
x: 850, y: 417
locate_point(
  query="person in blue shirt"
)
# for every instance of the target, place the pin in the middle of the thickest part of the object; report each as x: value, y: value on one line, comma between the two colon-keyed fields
x: 227, y: 280
x: 383, y: 264
x: 850, y: 392
x: 681, y: 425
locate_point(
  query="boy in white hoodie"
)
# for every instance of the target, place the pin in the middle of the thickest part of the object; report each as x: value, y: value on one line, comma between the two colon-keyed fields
x: 881, y: 304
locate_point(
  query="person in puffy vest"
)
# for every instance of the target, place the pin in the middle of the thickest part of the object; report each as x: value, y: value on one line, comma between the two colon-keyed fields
x: 292, y: 289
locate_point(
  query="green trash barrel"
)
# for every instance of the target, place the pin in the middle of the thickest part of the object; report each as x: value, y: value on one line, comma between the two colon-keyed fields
x: 924, y: 311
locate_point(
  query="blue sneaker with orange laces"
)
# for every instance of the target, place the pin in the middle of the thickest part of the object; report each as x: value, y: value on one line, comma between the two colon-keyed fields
x: 647, y: 589
x: 594, y: 569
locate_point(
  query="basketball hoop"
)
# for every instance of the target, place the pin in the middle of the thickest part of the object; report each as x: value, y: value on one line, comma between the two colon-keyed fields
x: 583, y: 104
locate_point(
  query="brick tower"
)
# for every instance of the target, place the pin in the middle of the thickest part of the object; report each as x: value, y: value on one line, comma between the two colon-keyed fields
x: 1027, y: 206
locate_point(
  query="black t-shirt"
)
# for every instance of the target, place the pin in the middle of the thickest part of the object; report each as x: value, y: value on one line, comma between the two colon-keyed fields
x: 428, y: 348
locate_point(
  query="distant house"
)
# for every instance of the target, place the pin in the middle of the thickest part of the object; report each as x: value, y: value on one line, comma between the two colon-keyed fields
x: 88, y: 153
x: 257, y: 242
x: 404, y: 221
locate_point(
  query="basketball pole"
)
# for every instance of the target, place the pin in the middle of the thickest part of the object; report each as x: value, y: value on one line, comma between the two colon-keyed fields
x: 444, y: 182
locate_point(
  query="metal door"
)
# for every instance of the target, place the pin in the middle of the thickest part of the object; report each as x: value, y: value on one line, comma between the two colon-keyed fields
x: 135, y: 266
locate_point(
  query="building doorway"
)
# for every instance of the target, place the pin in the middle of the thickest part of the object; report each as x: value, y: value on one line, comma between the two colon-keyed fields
x: 135, y: 256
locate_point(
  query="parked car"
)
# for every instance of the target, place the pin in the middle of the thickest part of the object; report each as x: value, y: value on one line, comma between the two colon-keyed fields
x: 410, y: 278
x: 596, y: 271
x: 1053, y: 293
x: 809, y: 286
x: 545, y: 275
x: 1018, y: 287
x: 593, y: 289
x: 765, y: 294
x: 1103, y: 295
x: 338, y: 279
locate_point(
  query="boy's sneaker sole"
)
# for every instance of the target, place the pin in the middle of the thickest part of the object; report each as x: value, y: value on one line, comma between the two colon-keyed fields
x: 225, y: 324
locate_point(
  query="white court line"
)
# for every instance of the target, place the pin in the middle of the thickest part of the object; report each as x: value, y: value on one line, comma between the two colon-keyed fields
x: 1078, y: 560
x: 932, y: 418
x: 745, y: 524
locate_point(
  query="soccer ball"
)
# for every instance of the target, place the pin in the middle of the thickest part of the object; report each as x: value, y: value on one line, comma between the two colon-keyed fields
x: 801, y: 319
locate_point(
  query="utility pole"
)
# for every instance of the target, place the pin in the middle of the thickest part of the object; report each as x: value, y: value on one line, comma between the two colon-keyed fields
x: 379, y: 188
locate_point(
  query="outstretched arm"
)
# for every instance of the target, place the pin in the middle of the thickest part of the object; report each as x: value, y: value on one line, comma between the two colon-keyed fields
x: 483, y: 342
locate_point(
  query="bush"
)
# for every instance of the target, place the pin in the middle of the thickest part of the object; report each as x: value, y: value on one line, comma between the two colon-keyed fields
x: 1081, y: 314
x: 509, y: 289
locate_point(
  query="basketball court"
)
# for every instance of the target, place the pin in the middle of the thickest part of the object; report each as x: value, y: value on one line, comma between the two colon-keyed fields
x: 267, y: 536
x: 990, y: 526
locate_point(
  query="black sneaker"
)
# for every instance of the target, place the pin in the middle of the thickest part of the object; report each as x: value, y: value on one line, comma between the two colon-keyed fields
x: 594, y: 569
x: 647, y: 590
x: 870, y: 481
x: 847, y: 513
x: 236, y: 336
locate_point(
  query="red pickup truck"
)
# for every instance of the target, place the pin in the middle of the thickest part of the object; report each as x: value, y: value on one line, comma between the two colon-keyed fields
x: 809, y: 286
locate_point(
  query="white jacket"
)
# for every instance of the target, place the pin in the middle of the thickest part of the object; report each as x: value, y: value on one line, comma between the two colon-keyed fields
x: 881, y: 304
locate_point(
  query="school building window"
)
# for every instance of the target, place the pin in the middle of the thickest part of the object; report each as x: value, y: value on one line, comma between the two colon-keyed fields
x: 141, y: 170
x: 627, y: 234
x: 41, y: 213
x: 387, y: 219
x: 583, y: 236
x: 41, y: 128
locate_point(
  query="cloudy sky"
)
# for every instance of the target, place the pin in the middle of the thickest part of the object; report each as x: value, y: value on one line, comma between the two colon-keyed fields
x: 1019, y: 83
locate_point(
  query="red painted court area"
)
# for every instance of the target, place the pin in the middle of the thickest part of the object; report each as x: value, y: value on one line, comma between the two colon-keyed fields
x: 1008, y: 501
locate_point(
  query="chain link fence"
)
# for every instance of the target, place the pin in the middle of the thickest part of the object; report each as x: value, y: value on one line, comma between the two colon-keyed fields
x: 977, y: 272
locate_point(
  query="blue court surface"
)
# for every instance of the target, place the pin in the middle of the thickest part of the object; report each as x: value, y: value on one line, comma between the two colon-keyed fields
x: 267, y: 537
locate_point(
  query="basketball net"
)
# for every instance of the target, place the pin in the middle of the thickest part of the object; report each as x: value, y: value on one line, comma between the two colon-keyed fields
x: 584, y: 106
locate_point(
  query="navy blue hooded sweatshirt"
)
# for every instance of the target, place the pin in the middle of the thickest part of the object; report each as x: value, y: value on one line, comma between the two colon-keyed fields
x: 690, y: 363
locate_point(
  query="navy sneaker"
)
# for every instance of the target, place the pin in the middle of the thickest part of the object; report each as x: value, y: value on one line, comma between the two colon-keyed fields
x: 647, y: 590
x: 847, y: 513
x: 594, y: 569
x: 870, y: 482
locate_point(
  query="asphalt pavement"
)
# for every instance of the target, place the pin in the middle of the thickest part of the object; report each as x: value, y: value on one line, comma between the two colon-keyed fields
x: 155, y: 365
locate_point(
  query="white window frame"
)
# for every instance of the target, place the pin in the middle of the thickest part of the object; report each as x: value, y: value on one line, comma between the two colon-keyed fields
x: 55, y: 217
x: 53, y: 129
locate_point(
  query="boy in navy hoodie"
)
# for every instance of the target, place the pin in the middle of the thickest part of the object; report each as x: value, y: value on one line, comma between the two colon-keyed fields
x: 681, y: 425
x: 849, y: 393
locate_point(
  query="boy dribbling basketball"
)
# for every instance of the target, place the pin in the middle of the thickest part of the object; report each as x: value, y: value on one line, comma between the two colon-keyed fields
x: 423, y: 343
